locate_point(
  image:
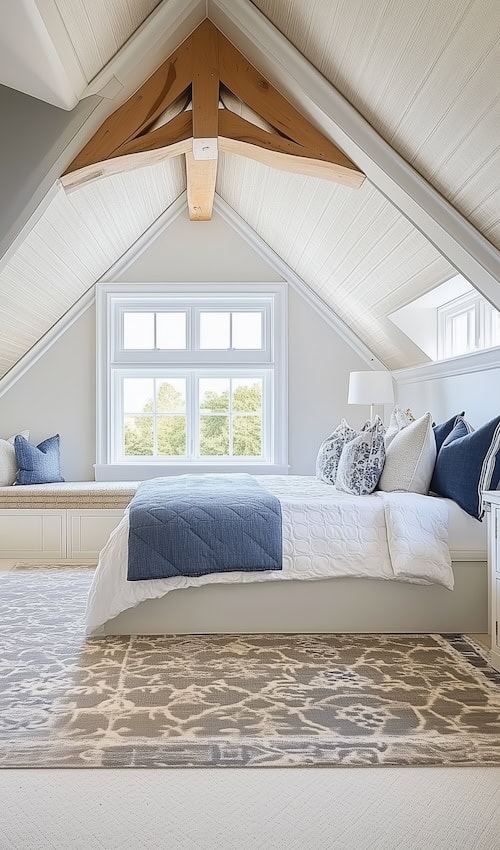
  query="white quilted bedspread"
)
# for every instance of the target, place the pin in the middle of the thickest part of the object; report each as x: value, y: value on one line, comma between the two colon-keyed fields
x: 326, y: 534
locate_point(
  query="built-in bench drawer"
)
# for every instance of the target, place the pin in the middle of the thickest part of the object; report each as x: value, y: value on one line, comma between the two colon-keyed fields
x: 88, y: 531
x: 55, y: 534
x: 32, y: 534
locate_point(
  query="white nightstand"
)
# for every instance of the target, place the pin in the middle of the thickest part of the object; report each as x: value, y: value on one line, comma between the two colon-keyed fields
x: 492, y: 502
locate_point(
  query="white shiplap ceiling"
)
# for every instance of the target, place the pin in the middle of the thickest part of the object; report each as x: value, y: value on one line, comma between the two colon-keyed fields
x: 73, y: 244
x: 99, y: 28
x: 352, y: 247
x: 425, y: 74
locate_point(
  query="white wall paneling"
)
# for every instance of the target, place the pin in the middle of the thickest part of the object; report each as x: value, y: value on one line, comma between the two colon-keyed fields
x: 32, y: 534
x: 88, y: 531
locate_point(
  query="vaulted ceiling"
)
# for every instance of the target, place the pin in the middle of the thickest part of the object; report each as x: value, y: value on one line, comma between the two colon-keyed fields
x: 422, y: 73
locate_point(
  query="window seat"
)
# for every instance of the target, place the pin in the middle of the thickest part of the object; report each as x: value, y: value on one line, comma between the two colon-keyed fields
x: 69, y: 495
x: 63, y: 522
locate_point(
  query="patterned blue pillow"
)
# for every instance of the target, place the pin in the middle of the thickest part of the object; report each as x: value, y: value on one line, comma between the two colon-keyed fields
x: 467, y: 464
x: 443, y: 430
x: 38, y: 464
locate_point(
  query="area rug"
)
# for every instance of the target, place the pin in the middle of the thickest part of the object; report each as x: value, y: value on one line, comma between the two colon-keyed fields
x: 230, y: 700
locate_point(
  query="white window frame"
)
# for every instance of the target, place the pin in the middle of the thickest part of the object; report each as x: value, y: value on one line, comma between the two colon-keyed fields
x: 482, y: 320
x: 114, y: 363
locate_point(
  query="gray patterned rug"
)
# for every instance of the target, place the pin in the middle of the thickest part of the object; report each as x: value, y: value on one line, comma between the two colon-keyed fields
x: 230, y: 700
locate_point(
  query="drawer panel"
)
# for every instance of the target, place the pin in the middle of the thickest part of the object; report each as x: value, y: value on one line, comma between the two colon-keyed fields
x: 88, y: 531
x: 32, y: 534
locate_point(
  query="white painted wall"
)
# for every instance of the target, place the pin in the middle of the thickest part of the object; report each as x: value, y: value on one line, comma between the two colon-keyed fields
x: 478, y: 393
x: 58, y: 392
x: 197, y: 251
x: 57, y: 396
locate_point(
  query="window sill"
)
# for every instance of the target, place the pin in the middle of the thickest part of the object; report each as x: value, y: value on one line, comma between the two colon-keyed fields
x: 143, y: 471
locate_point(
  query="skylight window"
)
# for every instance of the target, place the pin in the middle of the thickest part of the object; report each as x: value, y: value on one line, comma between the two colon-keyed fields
x: 451, y: 320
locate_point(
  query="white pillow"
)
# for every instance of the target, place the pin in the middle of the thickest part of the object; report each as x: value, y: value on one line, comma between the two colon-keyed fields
x: 362, y: 461
x: 399, y: 420
x: 410, y: 458
x: 8, y: 463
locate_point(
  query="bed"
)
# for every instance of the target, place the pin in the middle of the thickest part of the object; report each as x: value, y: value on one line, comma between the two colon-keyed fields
x: 385, y: 562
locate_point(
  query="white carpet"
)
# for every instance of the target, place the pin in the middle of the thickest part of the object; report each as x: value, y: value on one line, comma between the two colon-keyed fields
x: 315, y: 809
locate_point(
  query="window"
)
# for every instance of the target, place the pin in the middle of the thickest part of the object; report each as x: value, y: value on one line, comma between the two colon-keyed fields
x: 468, y: 323
x: 450, y: 320
x: 191, y: 379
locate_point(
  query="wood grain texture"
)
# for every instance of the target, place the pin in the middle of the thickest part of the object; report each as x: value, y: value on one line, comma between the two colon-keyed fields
x: 141, y: 110
x: 245, y: 139
x: 240, y: 76
x: 204, y: 60
x: 201, y: 177
x: 205, y: 84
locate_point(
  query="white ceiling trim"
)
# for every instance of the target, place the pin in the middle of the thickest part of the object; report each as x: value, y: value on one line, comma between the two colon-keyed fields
x: 151, y: 44
x: 465, y: 364
x: 87, y: 299
x: 466, y: 249
x: 278, y: 265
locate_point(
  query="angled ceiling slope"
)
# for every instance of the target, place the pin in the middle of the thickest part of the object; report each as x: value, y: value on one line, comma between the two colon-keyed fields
x: 385, y: 249
x: 206, y: 65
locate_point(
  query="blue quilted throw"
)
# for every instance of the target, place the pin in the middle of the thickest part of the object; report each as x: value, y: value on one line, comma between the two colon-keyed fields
x: 191, y: 525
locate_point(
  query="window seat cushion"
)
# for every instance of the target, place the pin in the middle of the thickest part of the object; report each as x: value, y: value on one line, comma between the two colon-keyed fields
x: 69, y: 495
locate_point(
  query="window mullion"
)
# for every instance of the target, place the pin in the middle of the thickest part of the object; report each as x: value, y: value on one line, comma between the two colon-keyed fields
x: 194, y: 425
x: 155, y: 421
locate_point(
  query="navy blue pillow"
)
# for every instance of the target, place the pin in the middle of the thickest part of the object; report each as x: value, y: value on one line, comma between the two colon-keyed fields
x: 442, y: 431
x: 467, y: 464
x: 38, y: 464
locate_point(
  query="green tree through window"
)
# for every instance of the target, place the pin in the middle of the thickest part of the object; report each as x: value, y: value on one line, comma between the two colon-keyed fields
x: 214, y: 423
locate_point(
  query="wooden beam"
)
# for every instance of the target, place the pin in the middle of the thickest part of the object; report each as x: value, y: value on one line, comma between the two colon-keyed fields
x: 141, y: 110
x: 123, y: 163
x: 179, y: 129
x: 201, y: 166
x: 252, y: 88
x: 205, y: 83
x: 204, y: 60
x: 243, y: 138
x: 201, y: 177
x: 172, y: 139
x: 292, y: 163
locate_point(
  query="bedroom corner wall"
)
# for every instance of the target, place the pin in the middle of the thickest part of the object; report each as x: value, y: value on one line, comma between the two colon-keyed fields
x: 478, y: 393
x: 58, y: 393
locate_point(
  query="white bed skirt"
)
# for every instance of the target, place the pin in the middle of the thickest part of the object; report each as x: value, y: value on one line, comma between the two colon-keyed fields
x: 330, y: 605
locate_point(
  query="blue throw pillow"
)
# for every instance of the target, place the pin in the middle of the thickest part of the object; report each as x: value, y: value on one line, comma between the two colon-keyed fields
x: 38, y: 464
x: 467, y: 464
x: 442, y: 431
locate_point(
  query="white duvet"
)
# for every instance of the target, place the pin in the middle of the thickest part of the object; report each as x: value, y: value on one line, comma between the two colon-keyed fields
x: 402, y: 536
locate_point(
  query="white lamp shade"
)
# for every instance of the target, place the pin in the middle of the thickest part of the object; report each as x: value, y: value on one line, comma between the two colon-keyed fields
x: 370, y: 388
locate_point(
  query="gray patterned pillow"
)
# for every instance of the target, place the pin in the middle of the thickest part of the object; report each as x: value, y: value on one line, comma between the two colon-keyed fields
x: 362, y: 461
x: 331, y: 449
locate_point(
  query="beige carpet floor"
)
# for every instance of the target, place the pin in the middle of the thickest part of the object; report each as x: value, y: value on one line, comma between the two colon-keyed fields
x: 323, y: 809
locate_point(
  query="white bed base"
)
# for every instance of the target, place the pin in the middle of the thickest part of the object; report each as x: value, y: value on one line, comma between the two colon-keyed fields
x: 330, y: 605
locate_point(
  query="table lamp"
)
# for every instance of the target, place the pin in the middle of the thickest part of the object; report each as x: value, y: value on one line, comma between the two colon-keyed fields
x: 370, y: 388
